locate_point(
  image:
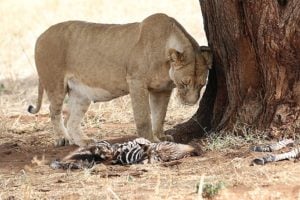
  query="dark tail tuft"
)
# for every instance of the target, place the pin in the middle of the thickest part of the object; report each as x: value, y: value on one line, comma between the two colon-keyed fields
x: 30, y: 109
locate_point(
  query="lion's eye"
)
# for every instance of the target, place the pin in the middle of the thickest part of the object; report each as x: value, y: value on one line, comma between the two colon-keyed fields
x: 184, y: 83
x: 181, y: 86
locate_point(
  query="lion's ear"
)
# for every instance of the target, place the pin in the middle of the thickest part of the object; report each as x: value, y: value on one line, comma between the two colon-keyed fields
x: 207, y: 55
x: 175, y: 56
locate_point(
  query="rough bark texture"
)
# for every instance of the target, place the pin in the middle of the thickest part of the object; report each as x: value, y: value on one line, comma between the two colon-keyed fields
x: 256, y: 76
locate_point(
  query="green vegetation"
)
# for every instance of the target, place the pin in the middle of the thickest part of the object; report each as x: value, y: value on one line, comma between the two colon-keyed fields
x: 210, y: 190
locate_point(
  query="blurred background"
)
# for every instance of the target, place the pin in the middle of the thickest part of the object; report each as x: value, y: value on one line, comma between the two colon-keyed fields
x: 22, y: 21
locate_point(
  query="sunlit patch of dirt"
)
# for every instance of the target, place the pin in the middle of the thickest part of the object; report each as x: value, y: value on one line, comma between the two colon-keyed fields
x: 26, y: 150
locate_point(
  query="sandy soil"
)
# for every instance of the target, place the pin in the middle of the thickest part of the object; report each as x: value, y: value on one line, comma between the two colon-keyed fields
x: 25, y: 153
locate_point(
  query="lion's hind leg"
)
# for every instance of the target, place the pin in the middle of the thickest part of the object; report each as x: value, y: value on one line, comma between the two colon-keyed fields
x: 56, y: 99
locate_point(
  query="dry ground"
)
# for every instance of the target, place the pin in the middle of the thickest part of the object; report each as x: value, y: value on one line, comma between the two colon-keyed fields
x: 26, y: 140
x: 26, y: 149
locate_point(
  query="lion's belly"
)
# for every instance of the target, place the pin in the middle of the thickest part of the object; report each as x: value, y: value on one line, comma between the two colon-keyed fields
x: 95, y: 94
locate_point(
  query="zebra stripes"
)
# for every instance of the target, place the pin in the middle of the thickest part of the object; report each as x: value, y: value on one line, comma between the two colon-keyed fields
x: 85, y: 157
x: 137, y: 151
x: 273, y: 147
x: 294, y: 153
x: 132, y: 152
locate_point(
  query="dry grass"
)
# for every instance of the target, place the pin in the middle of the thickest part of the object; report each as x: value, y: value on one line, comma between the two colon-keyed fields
x: 35, y: 180
x: 25, y: 139
x: 27, y: 148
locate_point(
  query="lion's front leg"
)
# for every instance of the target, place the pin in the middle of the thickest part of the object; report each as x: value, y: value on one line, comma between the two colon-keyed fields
x: 141, y: 110
x: 159, y: 104
x: 78, y: 105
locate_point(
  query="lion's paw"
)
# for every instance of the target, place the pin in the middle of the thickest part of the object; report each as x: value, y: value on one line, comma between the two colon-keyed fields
x: 62, y: 142
x: 167, y: 138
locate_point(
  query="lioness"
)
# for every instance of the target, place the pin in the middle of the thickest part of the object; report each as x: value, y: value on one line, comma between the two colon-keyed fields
x: 99, y: 62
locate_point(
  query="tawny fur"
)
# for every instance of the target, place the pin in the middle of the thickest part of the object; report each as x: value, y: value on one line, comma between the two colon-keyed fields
x: 99, y: 62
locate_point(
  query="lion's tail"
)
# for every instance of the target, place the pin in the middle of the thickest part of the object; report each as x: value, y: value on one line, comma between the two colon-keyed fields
x: 32, y: 109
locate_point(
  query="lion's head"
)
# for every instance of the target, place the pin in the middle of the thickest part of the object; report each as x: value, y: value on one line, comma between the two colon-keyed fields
x: 189, y: 70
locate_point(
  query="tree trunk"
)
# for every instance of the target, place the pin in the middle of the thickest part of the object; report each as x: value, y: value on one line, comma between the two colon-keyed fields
x: 256, y: 72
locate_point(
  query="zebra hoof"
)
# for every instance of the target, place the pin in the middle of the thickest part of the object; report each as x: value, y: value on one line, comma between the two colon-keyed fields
x: 259, y: 161
x: 260, y: 149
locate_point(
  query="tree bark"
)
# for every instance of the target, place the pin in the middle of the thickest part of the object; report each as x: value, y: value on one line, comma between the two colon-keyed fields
x: 256, y: 72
